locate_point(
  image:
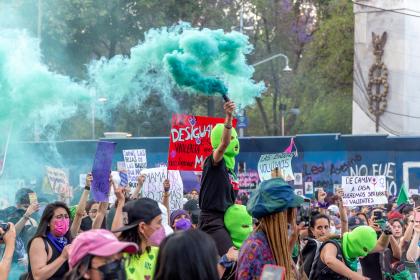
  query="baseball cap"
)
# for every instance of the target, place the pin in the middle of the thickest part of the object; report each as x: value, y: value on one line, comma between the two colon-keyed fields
x: 192, y: 207
x: 272, y: 196
x: 97, y: 242
x: 140, y: 210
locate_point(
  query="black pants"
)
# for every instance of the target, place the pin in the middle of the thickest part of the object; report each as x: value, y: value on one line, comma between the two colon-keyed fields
x: 213, y: 224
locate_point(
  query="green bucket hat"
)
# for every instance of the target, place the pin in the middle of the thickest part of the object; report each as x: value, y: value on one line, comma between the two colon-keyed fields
x: 359, y: 243
x: 272, y: 196
x: 238, y: 223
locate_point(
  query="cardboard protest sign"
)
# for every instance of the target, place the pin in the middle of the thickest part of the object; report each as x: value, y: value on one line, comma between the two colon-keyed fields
x: 121, y: 166
x: 153, y: 186
x: 135, y: 161
x: 309, y: 187
x: 364, y: 190
x: 189, y: 141
x: 270, y: 161
x: 101, y: 171
x: 58, y: 180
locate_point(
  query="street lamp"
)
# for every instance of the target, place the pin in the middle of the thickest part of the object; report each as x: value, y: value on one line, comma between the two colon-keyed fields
x: 286, y: 68
x: 283, y: 111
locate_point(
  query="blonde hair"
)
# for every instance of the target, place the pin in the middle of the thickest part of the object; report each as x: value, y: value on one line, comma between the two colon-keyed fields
x: 275, y: 228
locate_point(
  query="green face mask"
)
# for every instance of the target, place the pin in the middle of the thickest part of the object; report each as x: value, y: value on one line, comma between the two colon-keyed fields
x: 238, y: 223
x: 359, y: 242
x: 231, y: 151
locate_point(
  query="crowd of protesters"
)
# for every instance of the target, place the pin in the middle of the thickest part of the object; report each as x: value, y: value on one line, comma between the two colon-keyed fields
x: 274, y: 232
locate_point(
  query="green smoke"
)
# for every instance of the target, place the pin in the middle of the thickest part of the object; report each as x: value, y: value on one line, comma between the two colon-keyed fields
x: 200, y: 61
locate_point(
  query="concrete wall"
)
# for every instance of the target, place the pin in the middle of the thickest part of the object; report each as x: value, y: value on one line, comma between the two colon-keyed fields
x: 402, y: 59
x: 322, y: 159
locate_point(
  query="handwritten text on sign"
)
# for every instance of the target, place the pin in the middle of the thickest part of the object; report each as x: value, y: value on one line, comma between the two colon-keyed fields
x: 135, y: 161
x: 283, y: 161
x: 364, y: 190
x: 153, y: 186
x: 190, y: 141
x: 58, y: 180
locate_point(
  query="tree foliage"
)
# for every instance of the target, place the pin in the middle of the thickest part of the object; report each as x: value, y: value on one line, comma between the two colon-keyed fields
x: 316, y: 35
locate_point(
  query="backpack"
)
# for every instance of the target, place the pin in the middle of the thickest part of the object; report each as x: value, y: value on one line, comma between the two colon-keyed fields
x: 325, y: 270
x: 309, y: 253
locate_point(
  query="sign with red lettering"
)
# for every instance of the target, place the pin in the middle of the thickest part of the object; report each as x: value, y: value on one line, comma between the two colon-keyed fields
x: 189, y: 142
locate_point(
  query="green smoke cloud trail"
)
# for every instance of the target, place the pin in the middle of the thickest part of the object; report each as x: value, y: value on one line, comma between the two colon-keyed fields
x: 205, y: 61
x: 199, y: 61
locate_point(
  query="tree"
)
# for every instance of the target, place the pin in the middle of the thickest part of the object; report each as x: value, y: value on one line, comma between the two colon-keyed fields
x: 324, y: 82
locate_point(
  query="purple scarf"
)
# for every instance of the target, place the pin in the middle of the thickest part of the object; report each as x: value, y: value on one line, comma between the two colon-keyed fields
x: 58, y: 242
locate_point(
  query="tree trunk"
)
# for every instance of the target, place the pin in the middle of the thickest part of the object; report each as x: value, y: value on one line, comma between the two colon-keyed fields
x: 275, y: 78
x: 263, y: 115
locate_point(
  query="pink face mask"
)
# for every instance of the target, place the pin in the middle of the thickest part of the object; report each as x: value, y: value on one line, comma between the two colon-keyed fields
x: 61, y: 227
x: 156, y: 238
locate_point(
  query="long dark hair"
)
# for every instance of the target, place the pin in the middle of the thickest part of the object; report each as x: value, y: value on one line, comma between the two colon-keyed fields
x: 313, y: 222
x: 133, y: 235
x: 177, y: 251
x: 43, y: 227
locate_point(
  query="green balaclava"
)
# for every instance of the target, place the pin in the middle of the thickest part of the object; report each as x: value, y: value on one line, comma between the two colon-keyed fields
x: 231, y: 151
x: 238, y: 223
x: 359, y: 242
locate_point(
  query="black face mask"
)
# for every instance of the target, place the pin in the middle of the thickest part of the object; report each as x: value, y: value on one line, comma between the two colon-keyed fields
x: 113, y: 271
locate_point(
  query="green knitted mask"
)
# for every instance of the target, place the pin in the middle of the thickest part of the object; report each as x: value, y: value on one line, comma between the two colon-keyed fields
x: 238, y: 223
x: 73, y: 212
x: 359, y: 242
x: 231, y: 151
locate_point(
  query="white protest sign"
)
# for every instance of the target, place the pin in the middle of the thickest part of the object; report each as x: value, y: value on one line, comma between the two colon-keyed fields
x: 270, y: 161
x: 364, y: 190
x: 153, y: 186
x: 58, y: 180
x: 135, y: 161
x: 82, y: 180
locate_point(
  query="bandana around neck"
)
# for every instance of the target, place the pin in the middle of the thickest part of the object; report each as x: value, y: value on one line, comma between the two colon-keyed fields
x: 58, y: 242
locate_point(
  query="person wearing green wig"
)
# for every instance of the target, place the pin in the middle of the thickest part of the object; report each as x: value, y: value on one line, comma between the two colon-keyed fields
x: 338, y: 259
x: 219, y: 181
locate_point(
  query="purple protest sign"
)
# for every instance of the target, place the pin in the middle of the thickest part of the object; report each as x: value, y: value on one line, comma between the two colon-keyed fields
x: 101, y: 170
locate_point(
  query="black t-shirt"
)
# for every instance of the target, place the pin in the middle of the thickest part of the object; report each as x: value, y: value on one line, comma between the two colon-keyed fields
x: 371, y: 267
x: 87, y: 223
x: 374, y: 264
x: 216, y: 193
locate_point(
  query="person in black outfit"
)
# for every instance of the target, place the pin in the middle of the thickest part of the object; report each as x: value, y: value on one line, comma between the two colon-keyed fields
x: 48, y: 249
x: 219, y: 181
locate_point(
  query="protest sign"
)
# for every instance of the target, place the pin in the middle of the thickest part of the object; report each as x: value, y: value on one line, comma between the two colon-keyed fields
x: 153, y: 186
x: 58, y: 180
x: 364, y: 190
x: 309, y: 187
x: 248, y: 180
x: 189, y: 141
x: 298, y: 179
x: 121, y: 166
x: 101, y: 171
x: 135, y: 161
x: 123, y: 179
x: 82, y: 180
x: 270, y: 161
